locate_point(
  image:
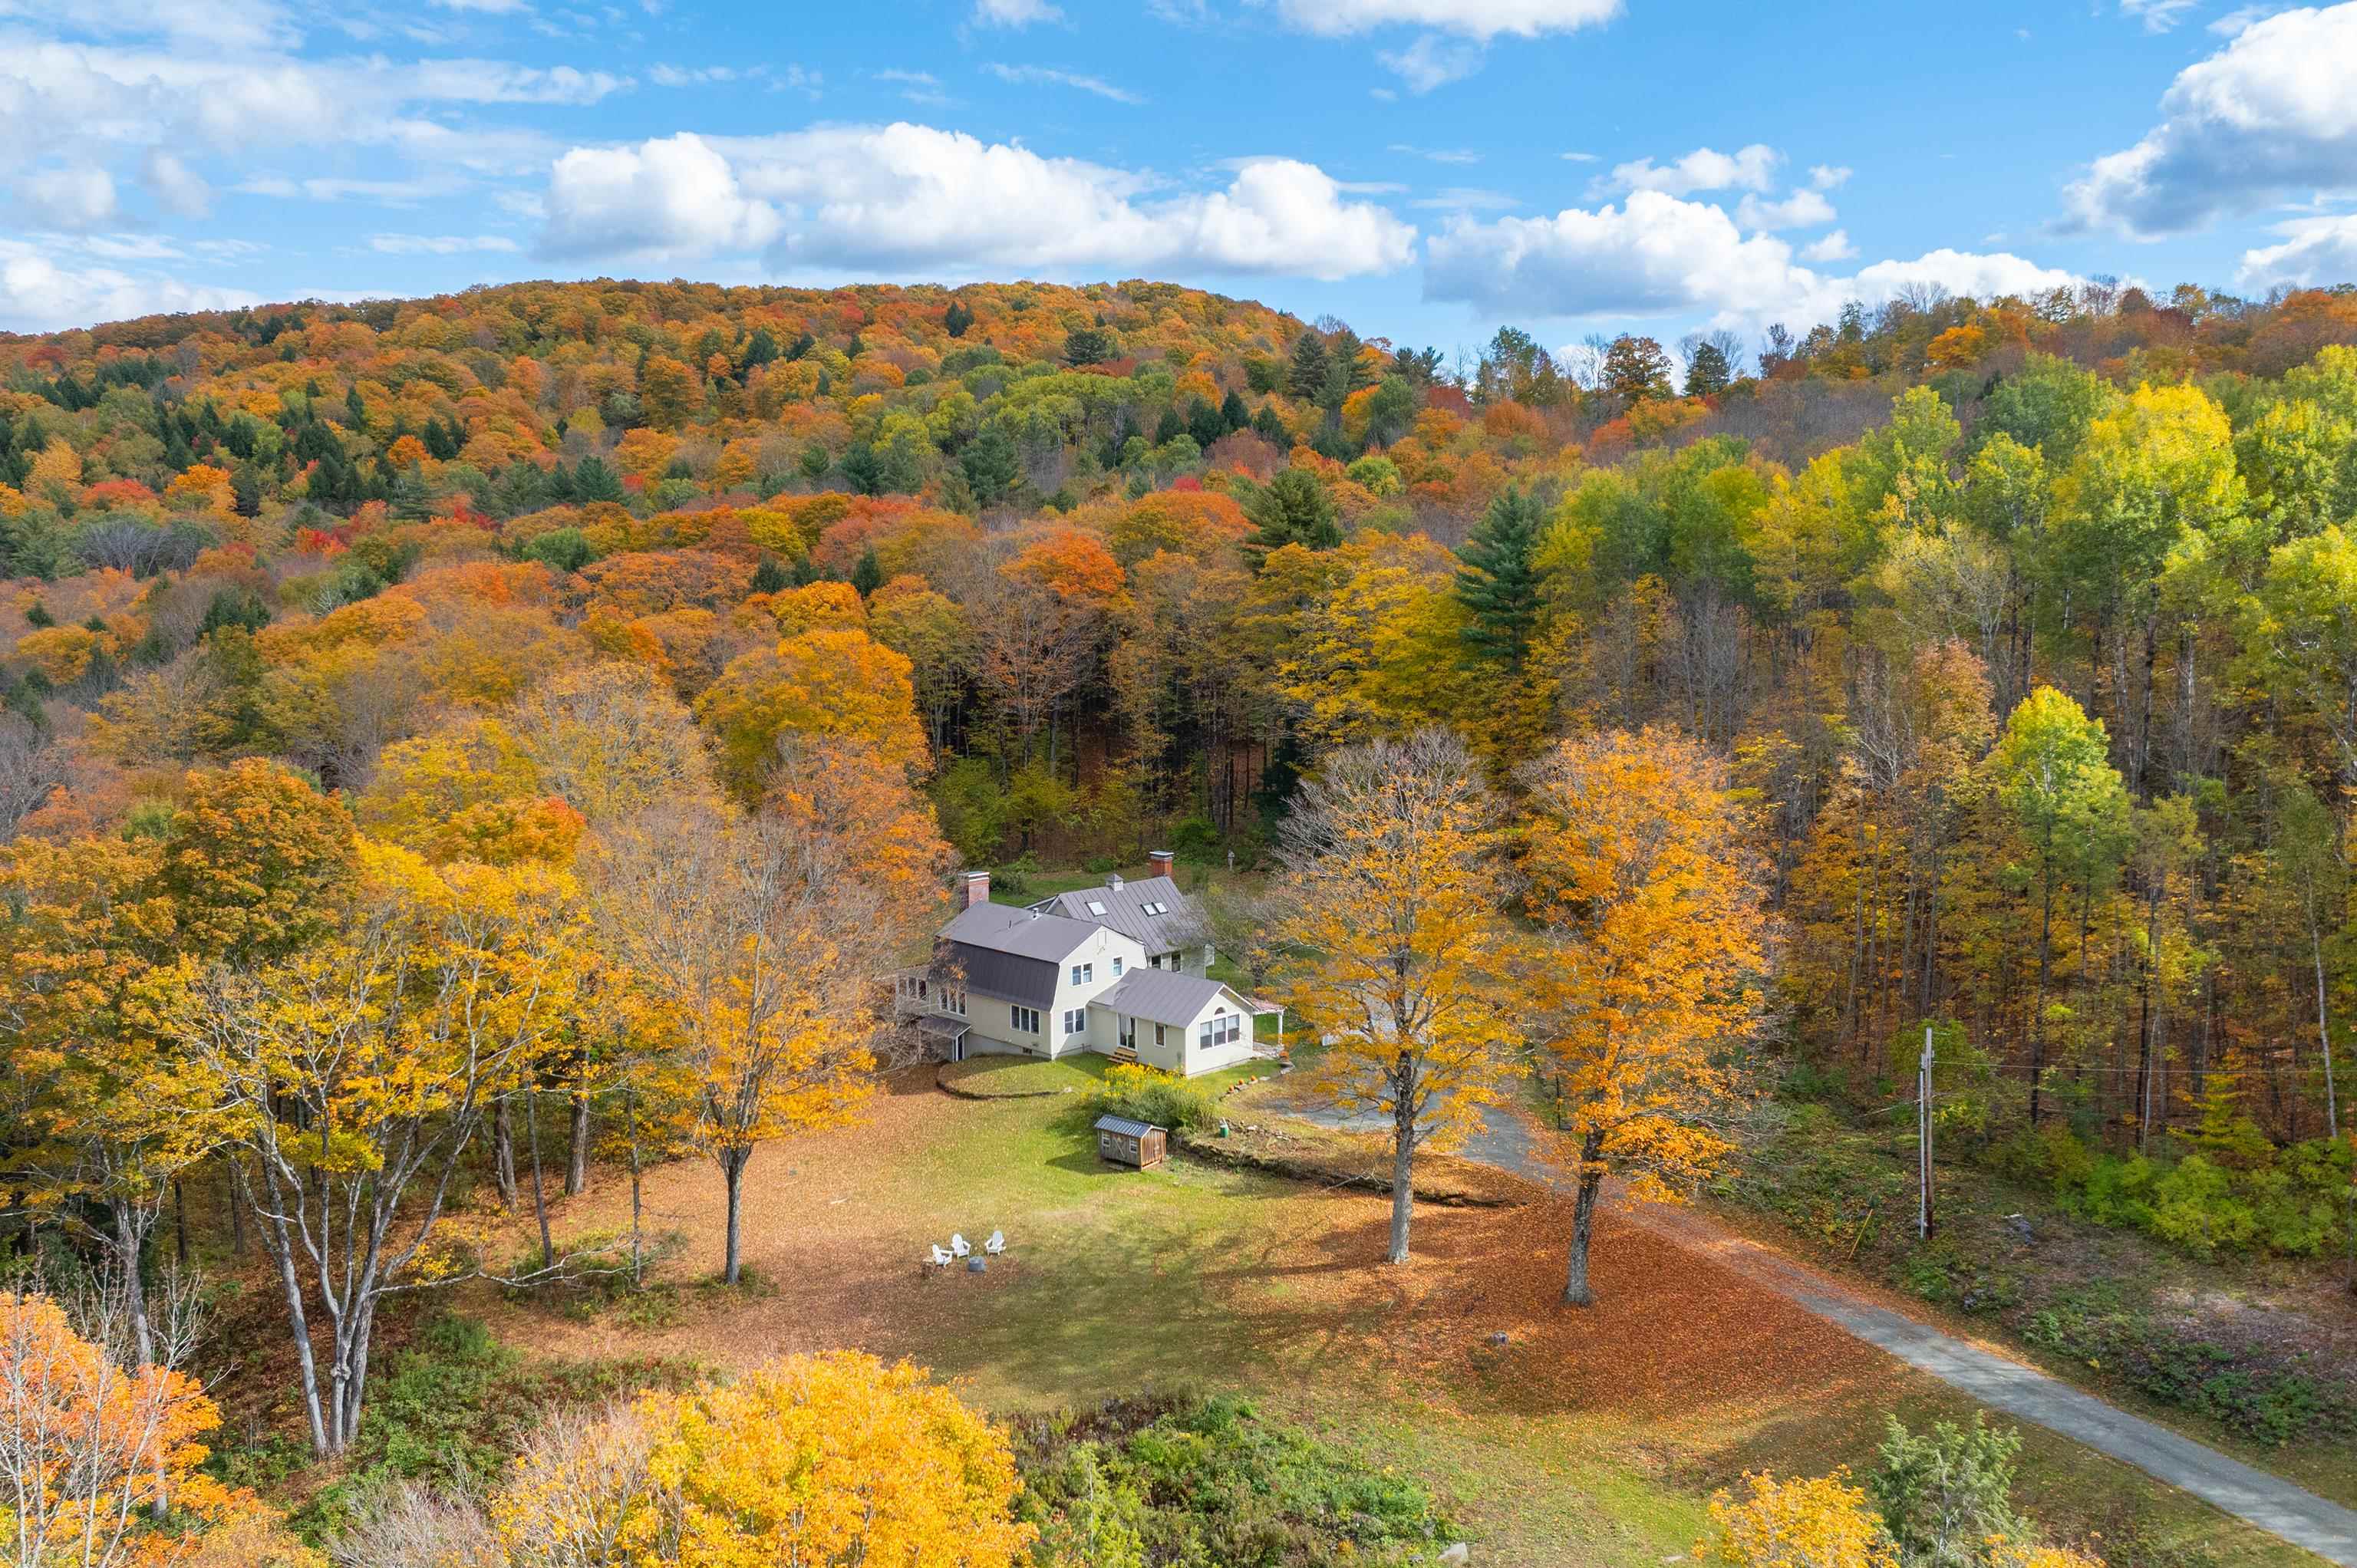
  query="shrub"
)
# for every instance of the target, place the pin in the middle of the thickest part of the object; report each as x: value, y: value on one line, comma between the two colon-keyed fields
x: 1822, y: 1524
x: 1148, y: 1094
x: 2273, y: 1400
x: 2195, y: 1210
x: 1946, y: 1497
x: 1188, y: 1479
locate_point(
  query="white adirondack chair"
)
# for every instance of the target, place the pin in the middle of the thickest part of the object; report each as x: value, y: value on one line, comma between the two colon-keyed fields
x: 996, y: 1244
x: 939, y: 1259
x: 958, y: 1247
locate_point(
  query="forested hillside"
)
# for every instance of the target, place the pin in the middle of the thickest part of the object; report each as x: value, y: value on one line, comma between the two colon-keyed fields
x: 2025, y: 630
x: 1141, y: 553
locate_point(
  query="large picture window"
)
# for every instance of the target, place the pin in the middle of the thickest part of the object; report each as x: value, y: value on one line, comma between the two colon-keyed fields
x: 1026, y: 1020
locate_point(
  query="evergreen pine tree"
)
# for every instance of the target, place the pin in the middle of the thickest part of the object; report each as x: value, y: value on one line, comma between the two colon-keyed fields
x: 956, y: 318
x: 1270, y: 428
x: 867, y: 574
x: 992, y: 465
x: 1233, y: 414
x: 1707, y: 373
x: 1204, y: 423
x: 593, y: 482
x: 1306, y: 378
x: 1292, y: 509
x: 1498, y: 581
x: 769, y: 578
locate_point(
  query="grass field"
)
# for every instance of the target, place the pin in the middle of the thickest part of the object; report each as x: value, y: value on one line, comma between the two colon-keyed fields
x: 1590, y: 1438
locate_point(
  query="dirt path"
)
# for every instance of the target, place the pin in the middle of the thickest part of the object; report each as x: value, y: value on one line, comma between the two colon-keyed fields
x: 2267, y: 1502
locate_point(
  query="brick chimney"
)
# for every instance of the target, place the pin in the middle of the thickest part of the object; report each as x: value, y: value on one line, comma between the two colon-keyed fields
x: 977, y: 888
x: 1158, y: 863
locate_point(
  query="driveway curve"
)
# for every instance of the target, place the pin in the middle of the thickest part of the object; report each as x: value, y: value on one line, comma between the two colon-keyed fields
x: 2268, y: 1502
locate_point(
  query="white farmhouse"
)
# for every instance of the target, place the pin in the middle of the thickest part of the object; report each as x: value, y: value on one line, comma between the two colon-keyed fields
x: 1118, y: 968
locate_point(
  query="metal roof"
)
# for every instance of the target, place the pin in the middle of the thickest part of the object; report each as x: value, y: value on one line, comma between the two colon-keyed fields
x: 1124, y: 1124
x: 1167, y: 996
x: 987, y: 971
x: 1003, y: 928
x: 1180, y: 927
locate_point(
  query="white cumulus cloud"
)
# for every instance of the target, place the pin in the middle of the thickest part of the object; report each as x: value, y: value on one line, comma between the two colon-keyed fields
x: 1753, y: 168
x: 911, y: 200
x: 2269, y: 117
x: 2311, y: 250
x: 75, y: 199
x: 39, y: 295
x: 1833, y: 247
x: 1657, y: 254
x: 1801, y: 209
x: 674, y: 195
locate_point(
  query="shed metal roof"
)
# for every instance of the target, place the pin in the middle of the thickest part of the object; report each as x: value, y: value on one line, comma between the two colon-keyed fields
x: 1125, y: 1125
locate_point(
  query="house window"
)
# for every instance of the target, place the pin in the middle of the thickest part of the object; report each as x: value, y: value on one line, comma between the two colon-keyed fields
x: 1221, y: 1029
x: 1117, y: 966
x: 1083, y: 973
x: 1027, y: 1019
x: 1160, y: 1035
x: 1155, y: 961
x: 953, y: 1001
x: 1076, y: 1019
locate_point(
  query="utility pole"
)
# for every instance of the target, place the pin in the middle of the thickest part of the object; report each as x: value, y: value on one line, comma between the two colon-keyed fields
x: 1924, y: 1139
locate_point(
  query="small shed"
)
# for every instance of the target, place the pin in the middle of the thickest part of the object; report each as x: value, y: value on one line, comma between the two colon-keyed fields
x: 1128, y: 1143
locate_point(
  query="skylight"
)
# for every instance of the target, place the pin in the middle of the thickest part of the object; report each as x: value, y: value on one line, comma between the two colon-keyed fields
x: 1096, y: 906
x: 1155, y: 908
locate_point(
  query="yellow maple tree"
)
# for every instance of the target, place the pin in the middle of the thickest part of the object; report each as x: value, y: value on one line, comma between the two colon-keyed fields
x: 1645, y: 966
x: 1385, y: 938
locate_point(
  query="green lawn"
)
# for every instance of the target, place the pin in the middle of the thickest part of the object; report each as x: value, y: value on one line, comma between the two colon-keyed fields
x: 1071, y: 1074
x: 1118, y: 1280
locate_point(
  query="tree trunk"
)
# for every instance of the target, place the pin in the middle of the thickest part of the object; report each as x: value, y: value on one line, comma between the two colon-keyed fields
x: 130, y: 1238
x: 539, y: 1187
x: 732, y: 1169
x: 236, y: 1213
x: 1403, y: 1175
x: 576, y: 1163
x: 2323, y: 1024
x: 504, y: 1166
x: 1576, y: 1290
x: 2045, y: 975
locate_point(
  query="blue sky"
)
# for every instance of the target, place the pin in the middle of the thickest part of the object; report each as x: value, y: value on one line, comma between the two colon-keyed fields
x: 1426, y: 169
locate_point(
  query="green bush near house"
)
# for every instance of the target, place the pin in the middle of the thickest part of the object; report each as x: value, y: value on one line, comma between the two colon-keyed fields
x: 1148, y: 1094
